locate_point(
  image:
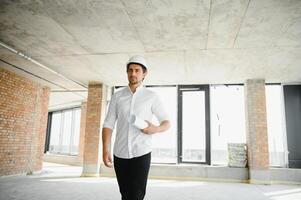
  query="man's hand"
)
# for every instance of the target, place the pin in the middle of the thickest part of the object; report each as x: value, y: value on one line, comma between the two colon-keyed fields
x: 107, y: 159
x: 151, y: 129
x: 106, y: 145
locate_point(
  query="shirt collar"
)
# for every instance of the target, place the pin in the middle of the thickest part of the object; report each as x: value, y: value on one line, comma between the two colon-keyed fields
x: 141, y: 86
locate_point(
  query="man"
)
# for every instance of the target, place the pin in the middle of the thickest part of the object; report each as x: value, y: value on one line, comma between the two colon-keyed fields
x: 132, y: 148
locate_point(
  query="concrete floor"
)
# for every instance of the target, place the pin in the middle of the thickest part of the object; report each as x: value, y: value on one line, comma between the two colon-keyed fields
x: 63, y: 182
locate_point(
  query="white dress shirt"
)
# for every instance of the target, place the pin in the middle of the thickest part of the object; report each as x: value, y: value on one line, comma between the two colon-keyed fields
x: 130, y: 142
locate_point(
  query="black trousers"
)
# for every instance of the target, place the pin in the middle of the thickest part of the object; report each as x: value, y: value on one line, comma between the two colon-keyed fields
x: 132, y: 176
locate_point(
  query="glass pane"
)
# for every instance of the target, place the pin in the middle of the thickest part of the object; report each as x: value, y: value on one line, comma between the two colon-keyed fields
x: 165, y: 144
x: 193, y: 127
x: 66, y: 132
x: 227, y: 120
x: 54, y: 145
x: 275, y: 125
x: 76, y: 134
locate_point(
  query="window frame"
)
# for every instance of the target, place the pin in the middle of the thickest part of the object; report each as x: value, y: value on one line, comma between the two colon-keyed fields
x: 71, y: 139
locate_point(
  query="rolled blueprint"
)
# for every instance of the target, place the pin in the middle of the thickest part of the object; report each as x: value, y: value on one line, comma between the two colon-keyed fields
x: 137, y: 122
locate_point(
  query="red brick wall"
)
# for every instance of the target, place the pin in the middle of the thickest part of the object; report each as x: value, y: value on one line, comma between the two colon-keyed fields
x: 23, y: 120
x: 92, y: 128
x: 256, y: 116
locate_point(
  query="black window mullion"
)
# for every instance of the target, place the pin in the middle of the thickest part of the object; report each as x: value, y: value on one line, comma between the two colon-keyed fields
x: 48, y: 130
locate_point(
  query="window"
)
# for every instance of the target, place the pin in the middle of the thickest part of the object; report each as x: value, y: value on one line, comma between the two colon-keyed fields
x: 194, y: 124
x: 165, y: 144
x: 55, y: 132
x: 75, y: 140
x: 206, y: 129
x: 275, y: 117
x: 227, y: 120
x: 65, y: 131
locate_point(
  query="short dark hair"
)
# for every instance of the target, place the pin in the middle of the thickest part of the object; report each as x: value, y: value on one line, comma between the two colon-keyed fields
x: 143, y: 67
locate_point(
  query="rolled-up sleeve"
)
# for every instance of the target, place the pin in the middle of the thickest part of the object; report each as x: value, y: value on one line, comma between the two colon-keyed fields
x: 159, y: 110
x: 111, y: 115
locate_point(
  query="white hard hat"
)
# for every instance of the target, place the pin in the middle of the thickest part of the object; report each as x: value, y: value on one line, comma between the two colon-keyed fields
x: 138, y: 60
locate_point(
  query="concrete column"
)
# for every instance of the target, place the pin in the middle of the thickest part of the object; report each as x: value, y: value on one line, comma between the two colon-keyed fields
x: 257, y: 134
x: 92, y: 141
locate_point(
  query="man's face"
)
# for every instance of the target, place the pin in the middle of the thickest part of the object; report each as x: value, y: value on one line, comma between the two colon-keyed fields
x: 135, y: 74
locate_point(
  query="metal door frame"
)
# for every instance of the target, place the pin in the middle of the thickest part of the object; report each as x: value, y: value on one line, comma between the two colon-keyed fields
x: 185, y: 88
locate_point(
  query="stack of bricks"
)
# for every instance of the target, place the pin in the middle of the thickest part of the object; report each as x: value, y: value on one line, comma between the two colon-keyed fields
x: 23, y: 121
x: 237, y: 154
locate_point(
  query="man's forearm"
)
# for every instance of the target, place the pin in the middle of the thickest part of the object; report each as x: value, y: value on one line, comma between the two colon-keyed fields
x: 163, y: 126
x: 106, y: 139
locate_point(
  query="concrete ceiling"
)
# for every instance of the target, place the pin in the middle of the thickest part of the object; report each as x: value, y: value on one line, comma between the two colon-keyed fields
x: 185, y: 42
